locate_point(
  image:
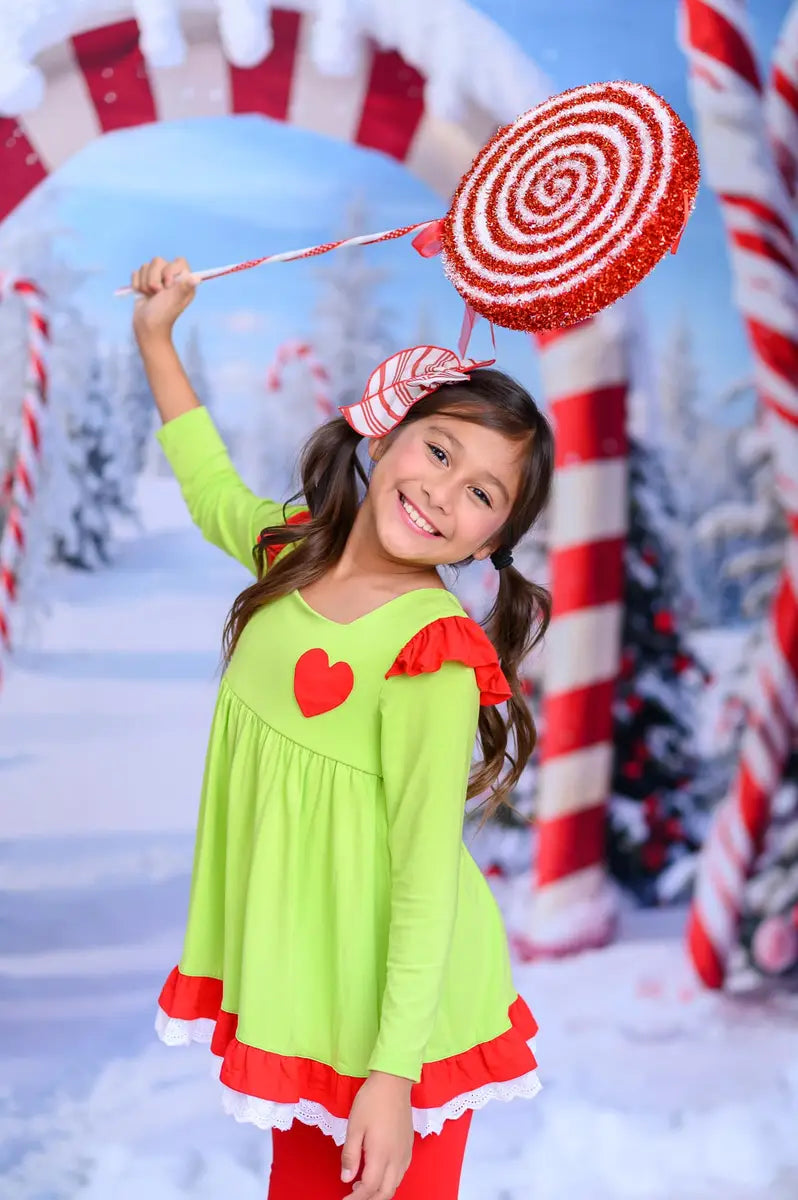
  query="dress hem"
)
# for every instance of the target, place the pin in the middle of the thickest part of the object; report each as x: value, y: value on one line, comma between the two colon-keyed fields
x: 270, y: 1089
x: 271, y: 1114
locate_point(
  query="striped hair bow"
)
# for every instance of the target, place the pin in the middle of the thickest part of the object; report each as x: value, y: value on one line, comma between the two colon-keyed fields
x: 401, y: 381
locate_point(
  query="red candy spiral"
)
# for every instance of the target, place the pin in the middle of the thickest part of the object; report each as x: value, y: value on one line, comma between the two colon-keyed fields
x: 571, y: 206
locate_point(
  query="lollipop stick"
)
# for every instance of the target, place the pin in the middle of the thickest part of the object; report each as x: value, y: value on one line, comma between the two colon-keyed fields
x: 289, y: 255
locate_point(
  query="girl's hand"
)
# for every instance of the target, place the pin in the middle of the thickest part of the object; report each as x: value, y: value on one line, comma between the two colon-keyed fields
x: 380, y: 1126
x: 161, y: 299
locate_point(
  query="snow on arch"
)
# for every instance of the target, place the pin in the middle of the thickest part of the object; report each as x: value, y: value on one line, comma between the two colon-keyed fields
x: 424, y: 87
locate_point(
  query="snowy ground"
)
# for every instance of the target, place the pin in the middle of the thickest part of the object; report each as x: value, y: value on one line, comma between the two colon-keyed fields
x: 652, y: 1090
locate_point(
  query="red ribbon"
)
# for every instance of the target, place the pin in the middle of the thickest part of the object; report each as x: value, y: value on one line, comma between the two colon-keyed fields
x: 428, y: 243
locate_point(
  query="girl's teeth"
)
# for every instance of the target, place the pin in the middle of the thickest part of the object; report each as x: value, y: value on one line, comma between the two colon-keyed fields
x: 416, y: 517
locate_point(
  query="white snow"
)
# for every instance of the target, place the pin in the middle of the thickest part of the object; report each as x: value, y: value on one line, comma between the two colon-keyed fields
x: 653, y: 1090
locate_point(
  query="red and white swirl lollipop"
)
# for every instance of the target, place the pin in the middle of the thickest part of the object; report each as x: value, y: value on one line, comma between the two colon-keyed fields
x: 561, y: 213
x: 569, y: 207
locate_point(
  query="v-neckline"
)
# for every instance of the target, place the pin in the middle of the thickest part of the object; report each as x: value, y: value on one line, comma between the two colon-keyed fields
x: 364, y: 616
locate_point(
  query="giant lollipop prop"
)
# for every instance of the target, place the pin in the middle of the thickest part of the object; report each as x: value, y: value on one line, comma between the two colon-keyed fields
x: 561, y: 213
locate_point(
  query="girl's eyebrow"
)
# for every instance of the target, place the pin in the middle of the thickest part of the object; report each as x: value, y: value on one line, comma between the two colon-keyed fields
x: 459, y: 445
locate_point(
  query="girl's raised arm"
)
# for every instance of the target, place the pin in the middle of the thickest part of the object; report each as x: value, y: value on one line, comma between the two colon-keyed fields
x: 223, y: 507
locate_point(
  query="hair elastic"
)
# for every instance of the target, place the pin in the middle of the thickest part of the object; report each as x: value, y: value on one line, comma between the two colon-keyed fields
x: 502, y: 558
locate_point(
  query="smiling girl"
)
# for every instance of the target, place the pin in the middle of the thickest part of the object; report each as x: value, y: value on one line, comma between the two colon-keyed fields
x: 344, y: 955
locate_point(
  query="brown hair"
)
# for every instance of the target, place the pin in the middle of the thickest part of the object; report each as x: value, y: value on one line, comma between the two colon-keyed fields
x: 330, y: 470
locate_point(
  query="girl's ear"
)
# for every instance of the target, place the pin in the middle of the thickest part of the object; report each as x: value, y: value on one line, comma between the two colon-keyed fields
x: 486, y: 551
x: 376, y: 448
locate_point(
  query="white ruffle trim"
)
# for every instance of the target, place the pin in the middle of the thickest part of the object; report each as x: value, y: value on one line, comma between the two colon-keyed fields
x: 175, y: 1032
x: 269, y: 1114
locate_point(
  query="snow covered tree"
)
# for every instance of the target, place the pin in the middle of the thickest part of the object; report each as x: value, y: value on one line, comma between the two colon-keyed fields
x: 749, y: 528
x: 134, y: 402
x: 698, y: 464
x: 99, y: 473
x: 661, y: 791
x: 352, y: 329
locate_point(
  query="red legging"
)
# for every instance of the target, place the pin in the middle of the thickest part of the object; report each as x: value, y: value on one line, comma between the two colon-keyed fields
x: 306, y: 1164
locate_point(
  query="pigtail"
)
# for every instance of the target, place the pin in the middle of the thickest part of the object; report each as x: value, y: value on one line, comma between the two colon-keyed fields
x: 515, y: 624
x: 329, y: 470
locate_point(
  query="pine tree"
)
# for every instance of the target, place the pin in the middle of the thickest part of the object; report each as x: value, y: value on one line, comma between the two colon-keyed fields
x: 747, y: 528
x: 99, y: 489
x: 661, y: 791
x: 134, y: 402
x: 352, y: 331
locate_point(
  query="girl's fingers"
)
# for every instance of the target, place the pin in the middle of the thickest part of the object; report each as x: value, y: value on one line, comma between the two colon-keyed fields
x: 178, y: 266
x: 155, y: 275
x: 373, y: 1182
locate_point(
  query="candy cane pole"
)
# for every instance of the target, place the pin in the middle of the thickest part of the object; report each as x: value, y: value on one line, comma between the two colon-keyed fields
x: 24, y: 473
x: 296, y: 351
x: 781, y: 102
x: 585, y: 379
x: 727, y: 97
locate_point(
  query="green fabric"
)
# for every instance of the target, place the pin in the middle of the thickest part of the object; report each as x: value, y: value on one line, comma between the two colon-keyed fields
x: 332, y: 891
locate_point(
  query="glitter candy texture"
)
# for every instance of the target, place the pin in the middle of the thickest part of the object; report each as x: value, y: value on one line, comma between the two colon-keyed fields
x: 571, y: 206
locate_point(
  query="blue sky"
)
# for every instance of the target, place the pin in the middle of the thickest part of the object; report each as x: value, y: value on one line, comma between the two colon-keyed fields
x: 220, y: 191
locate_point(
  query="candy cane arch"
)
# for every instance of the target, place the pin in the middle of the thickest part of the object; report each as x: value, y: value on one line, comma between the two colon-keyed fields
x: 781, y: 102
x: 303, y: 352
x: 25, y: 470
x: 727, y: 97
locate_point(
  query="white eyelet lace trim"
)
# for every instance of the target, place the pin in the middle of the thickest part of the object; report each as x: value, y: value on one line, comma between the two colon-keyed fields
x: 269, y: 1114
x: 175, y: 1032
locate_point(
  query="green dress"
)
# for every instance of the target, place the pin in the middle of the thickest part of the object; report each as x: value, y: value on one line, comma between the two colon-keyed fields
x: 337, y: 922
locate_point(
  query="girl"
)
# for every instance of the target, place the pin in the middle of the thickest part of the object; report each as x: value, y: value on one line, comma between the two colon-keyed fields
x: 344, y: 955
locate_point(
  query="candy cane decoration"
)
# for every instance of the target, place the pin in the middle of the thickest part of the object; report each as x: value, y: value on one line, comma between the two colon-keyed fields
x: 296, y: 351
x: 726, y: 93
x: 585, y: 376
x: 24, y: 473
x: 781, y: 102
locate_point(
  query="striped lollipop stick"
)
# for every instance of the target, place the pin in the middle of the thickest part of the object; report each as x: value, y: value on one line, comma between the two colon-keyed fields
x: 21, y: 492
x: 365, y: 239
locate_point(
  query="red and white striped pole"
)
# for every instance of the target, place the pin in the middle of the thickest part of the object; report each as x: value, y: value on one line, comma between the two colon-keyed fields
x: 24, y: 472
x: 297, y: 351
x: 781, y: 102
x: 585, y: 376
x: 739, y: 164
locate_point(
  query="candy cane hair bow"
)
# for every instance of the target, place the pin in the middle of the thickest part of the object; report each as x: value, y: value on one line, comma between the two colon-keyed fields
x: 401, y: 381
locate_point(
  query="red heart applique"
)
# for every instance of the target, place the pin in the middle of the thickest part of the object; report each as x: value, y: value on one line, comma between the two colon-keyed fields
x: 319, y: 687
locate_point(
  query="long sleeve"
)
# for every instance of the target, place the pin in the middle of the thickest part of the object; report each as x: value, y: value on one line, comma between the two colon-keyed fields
x: 429, y: 725
x: 221, y: 505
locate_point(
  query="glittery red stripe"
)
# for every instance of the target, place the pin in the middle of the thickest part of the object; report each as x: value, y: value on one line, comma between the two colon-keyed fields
x: 266, y: 88
x: 709, y: 32
x: 115, y: 73
x: 393, y: 106
x: 570, y: 843
x: 21, y: 169
x: 586, y: 575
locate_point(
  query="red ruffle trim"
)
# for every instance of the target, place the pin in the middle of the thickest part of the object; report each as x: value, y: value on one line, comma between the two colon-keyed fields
x: 455, y: 639
x: 286, y: 1079
x: 297, y: 518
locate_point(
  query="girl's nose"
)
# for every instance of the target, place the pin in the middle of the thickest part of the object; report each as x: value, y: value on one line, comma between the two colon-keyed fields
x: 438, y: 495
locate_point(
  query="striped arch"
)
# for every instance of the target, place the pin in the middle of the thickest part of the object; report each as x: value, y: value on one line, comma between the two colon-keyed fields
x: 99, y: 81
